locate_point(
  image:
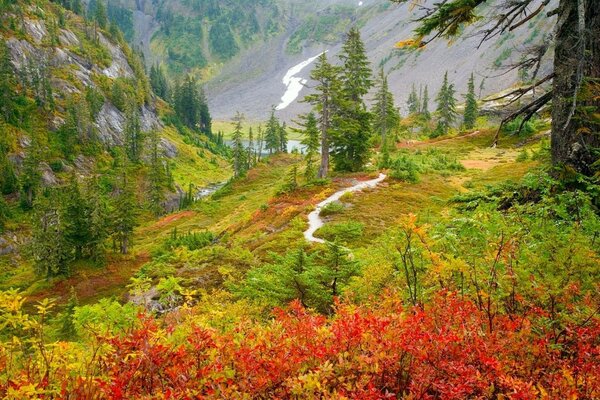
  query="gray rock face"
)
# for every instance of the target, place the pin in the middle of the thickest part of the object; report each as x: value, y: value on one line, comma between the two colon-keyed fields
x: 119, y: 67
x: 110, y: 123
x: 6, y: 247
x: 48, y: 177
x: 149, y: 120
x: 169, y: 149
x: 21, y: 51
x: 68, y: 38
x: 36, y: 29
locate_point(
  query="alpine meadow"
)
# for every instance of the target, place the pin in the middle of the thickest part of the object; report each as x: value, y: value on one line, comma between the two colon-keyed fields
x: 299, y: 199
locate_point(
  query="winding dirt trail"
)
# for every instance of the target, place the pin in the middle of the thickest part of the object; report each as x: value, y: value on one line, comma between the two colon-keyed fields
x: 314, y: 219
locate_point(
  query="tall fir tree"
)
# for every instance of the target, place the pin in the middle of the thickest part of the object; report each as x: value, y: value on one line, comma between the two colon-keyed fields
x: 134, y: 137
x: 76, y: 217
x: 50, y: 249
x: 425, y: 114
x: 100, y: 14
x: 251, y: 156
x: 446, y: 108
x: 156, y: 176
x: 283, y: 138
x: 31, y: 176
x: 158, y: 82
x: 413, y: 101
x: 350, y: 140
x: 471, y: 110
x: 385, y: 116
x: 8, y: 178
x: 310, y: 139
x: 237, y: 145
x: 98, y: 220
x: 124, y: 210
x: 8, y: 84
x: 189, y: 102
x: 324, y: 102
x: 273, y: 134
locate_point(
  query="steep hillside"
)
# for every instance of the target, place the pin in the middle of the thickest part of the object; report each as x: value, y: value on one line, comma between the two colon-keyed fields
x: 76, y: 105
x: 253, y: 82
x: 262, y: 41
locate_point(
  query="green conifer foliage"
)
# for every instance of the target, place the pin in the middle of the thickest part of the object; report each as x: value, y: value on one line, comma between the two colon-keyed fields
x: 385, y: 115
x: 310, y: 140
x: 324, y: 102
x: 134, y: 137
x: 446, y: 108
x: 273, y: 134
x: 156, y: 176
x: 124, y: 211
x: 237, y: 145
x: 471, y: 111
x: 350, y: 139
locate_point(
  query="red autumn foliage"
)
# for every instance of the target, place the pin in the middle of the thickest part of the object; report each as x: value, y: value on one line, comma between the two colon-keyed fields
x: 444, y: 351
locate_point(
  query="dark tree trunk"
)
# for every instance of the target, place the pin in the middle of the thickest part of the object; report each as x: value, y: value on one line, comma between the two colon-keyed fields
x: 576, y: 65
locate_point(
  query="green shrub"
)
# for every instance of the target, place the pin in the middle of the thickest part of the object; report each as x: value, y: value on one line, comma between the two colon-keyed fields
x: 523, y: 156
x: 405, y: 169
x: 343, y: 231
x: 331, y: 208
x: 191, y: 240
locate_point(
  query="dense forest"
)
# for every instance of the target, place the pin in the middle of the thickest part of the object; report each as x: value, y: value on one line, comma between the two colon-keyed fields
x: 442, y: 247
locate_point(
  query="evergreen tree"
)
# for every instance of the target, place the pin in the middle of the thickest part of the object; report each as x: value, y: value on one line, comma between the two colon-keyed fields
x: 385, y: 116
x: 4, y: 213
x: 98, y: 220
x: 310, y: 140
x: 283, y: 140
x: 7, y: 85
x: 446, y: 107
x: 239, y: 154
x: 50, y: 248
x: 260, y: 140
x: 251, y: 156
x: 471, y: 112
x: 324, y: 102
x: 191, y: 106
x: 31, y: 175
x: 336, y: 270
x: 76, y: 218
x: 8, y: 179
x: 134, y: 138
x: 124, y: 211
x: 158, y: 81
x: 156, y: 176
x: 356, y: 72
x: 100, y: 14
x: 413, y: 102
x: 352, y: 121
x: 425, y: 107
x: 273, y: 134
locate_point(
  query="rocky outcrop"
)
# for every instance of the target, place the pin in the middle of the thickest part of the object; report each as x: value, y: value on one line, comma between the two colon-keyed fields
x: 36, y: 29
x: 169, y: 149
x: 119, y: 68
x: 110, y: 123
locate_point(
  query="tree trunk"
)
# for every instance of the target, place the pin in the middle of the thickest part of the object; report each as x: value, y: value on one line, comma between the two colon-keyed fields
x: 576, y: 64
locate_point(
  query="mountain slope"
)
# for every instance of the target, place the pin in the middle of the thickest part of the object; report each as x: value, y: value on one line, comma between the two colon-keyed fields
x: 248, y: 74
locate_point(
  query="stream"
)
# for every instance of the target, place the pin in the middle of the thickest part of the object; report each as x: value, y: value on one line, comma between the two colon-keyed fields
x: 314, y: 219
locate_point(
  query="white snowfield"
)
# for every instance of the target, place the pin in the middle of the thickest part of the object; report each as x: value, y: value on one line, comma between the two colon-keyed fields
x: 314, y: 219
x: 293, y: 83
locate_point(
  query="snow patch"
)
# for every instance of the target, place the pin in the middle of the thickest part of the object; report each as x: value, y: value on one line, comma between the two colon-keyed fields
x: 293, y: 83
